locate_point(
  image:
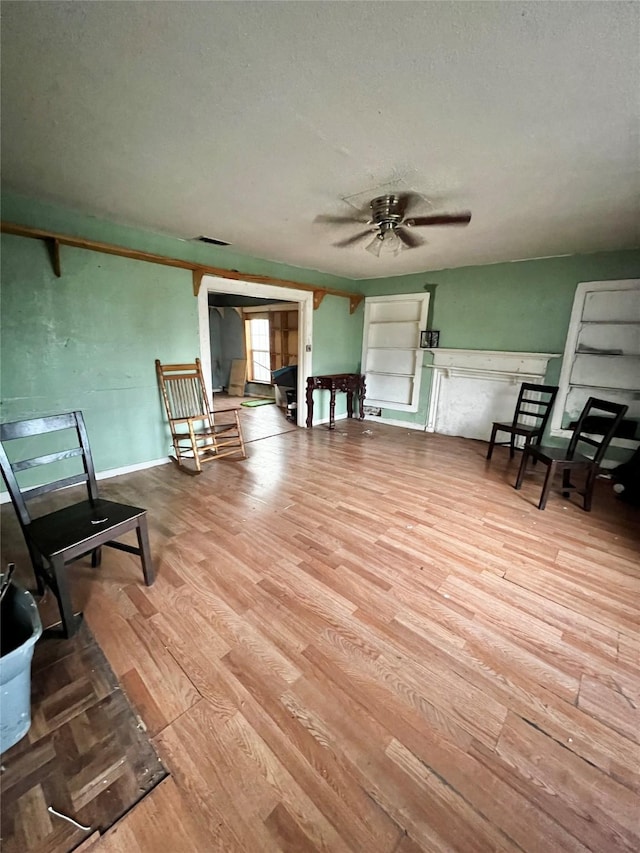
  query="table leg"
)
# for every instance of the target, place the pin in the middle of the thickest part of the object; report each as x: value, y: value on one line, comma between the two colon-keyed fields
x: 309, y: 407
x: 332, y: 409
x: 349, y: 404
x: 361, y: 396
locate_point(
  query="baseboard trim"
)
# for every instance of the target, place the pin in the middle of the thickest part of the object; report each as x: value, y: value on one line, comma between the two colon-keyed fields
x: 391, y: 422
x: 129, y: 469
x: 342, y: 417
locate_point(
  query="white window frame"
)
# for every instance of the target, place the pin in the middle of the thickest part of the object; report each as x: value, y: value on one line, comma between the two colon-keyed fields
x: 413, y: 345
x: 252, y: 361
x: 575, y: 324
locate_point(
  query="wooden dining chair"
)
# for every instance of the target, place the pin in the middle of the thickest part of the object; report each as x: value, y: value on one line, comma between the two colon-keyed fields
x: 59, y: 537
x: 533, y: 409
x: 198, y: 433
x: 591, y: 429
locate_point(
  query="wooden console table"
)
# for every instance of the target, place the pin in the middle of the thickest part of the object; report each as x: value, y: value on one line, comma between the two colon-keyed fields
x: 350, y: 383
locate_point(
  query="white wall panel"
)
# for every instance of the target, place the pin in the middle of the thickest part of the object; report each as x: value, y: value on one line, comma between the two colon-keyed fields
x: 401, y: 310
x: 615, y: 338
x: 606, y: 371
x: 621, y: 305
x: 386, y: 390
x: 404, y: 335
x: 391, y: 361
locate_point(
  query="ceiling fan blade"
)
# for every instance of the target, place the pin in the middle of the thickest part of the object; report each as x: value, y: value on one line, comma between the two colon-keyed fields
x: 439, y: 219
x: 411, y: 241
x: 340, y: 220
x: 409, y: 202
x: 351, y: 240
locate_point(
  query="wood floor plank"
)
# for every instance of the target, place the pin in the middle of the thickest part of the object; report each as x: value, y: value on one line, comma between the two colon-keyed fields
x: 596, y: 809
x: 164, y: 820
x: 133, y: 646
x: 607, y: 700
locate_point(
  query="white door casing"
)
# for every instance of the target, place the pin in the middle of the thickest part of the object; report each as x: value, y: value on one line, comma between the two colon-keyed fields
x: 304, y: 298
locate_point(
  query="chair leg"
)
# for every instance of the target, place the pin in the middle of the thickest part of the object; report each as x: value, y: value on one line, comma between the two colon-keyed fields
x: 551, y: 470
x: 96, y: 558
x: 240, y: 437
x: 145, y: 551
x: 566, y: 483
x: 588, y: 489
x: 521, y: 470
x: 70, y: 622
x: 512, y: 445
x: 194, y: 445
x: 492, y: 442
x: 40, y: 586
x: 38, y: 569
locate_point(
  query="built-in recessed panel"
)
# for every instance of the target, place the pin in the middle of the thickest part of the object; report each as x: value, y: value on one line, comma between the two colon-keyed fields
x: 606, y: 371
x: 388, y: 390
x: 391, y: 361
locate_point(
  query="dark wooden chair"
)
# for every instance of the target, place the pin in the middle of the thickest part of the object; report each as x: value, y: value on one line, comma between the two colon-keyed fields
x: 59, y: 537
x: 198, y: 433
x: 569, y: 460
x: 530, y: 418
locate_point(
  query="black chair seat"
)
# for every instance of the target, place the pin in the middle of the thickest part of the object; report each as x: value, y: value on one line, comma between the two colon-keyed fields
x: 78, y: 527
x: 559, y: 454
x: 518, y: 429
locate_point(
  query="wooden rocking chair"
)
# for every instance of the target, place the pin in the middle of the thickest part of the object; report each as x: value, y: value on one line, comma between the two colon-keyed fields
x: 198, y: 434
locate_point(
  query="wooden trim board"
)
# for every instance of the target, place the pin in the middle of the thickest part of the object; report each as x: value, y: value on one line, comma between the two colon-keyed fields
x: 56, y: 240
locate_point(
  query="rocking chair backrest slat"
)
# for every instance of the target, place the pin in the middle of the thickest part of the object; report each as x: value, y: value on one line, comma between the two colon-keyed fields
x: 185, y: 396
x: 183, y: 390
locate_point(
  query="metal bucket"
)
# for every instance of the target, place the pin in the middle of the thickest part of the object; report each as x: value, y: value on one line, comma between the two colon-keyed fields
x: 21, y: 627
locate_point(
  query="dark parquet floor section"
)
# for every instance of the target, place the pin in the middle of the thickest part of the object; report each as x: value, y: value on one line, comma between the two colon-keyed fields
x: 87, y: 753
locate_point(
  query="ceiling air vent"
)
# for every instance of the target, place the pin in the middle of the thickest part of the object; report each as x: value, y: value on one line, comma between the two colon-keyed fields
x: 211, y: 240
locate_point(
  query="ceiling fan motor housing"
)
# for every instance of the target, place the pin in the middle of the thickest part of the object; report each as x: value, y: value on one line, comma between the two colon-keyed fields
x: 387, y: 213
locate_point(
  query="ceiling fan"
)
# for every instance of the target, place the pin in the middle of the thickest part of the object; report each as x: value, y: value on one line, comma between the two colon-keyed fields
x: 388, y: 219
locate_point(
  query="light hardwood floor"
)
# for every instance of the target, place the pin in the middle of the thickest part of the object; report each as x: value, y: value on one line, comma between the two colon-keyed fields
x: 367, y: 640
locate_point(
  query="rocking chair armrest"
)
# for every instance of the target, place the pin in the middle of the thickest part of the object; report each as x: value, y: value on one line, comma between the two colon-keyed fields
x: 224, y: 411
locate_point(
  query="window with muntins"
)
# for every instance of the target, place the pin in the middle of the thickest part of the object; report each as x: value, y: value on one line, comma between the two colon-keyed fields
x: 259, y: 352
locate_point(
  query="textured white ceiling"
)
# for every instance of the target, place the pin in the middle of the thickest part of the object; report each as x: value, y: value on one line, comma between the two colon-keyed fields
x: 244, y: 120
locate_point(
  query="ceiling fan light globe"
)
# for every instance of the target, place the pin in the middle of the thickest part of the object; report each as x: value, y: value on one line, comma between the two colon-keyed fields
x: 375, y: 246
x: 392, y: 244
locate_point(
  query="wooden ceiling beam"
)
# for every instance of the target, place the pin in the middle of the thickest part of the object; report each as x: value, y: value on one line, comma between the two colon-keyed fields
x: 55, y: 240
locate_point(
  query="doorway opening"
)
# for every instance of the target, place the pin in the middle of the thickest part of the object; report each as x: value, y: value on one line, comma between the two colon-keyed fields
x: 284, y: 346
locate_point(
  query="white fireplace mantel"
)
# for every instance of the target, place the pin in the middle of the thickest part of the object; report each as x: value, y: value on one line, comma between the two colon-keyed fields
x: 468, y: 391
x: 499, y: 361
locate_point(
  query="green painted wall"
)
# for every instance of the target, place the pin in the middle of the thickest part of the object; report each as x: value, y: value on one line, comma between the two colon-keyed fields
x: 523, y: 306
x: 89, y: 339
